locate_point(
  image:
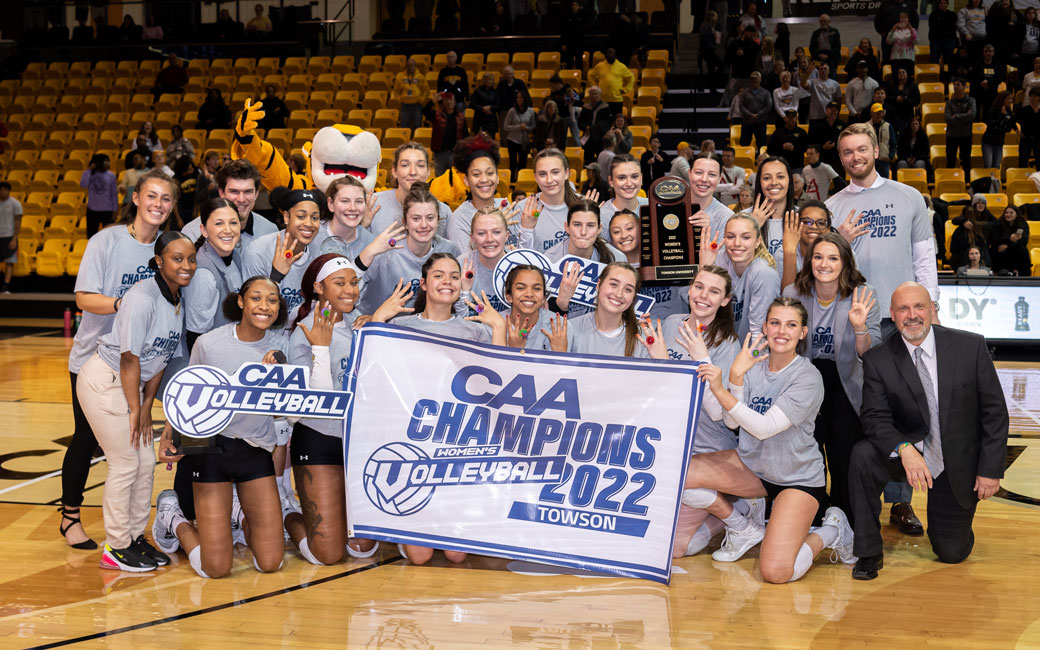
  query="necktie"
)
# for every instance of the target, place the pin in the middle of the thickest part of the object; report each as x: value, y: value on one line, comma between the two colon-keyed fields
x: 932, y: 444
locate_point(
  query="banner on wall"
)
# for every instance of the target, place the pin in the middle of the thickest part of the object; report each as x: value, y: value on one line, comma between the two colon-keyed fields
x: 806, y: 8
x: 997, y: 308
x: 521, y: 454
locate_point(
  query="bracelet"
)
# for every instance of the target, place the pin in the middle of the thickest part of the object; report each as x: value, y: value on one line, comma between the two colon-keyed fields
x: 863, y: 333
x: 900, y: 446
x: 115, y: 305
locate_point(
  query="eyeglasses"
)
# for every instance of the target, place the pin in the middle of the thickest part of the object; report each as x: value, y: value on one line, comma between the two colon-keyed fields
x: 821, y: 224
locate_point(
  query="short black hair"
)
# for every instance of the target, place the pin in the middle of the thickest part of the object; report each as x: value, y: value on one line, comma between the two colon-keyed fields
x: 233, y: 312
x: 4, y: 185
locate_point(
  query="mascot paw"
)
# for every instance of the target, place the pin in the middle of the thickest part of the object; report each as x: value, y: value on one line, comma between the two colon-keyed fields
x: 247, y: 123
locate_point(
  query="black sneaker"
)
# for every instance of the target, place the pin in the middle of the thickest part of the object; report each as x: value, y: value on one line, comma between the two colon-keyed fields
x: 126, y: 559
x: 142, y: 546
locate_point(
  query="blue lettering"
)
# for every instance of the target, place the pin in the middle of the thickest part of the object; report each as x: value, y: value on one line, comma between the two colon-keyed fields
x: 458, y: 384
x: 644, y: 459
x: 422, y: 407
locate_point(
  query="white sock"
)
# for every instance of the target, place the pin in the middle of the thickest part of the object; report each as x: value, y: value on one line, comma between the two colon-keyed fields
x: 711, y: 527
x: 803, y: 562
x: 829, y: 535
x: 195, y: 559
x: 736, y: 521
x: 305, y: 551
x: 743, y: 506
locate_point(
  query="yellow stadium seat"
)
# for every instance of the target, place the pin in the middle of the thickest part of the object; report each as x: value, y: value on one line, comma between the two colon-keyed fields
x: 355, y: 81
x: 317, y: 65
x: 24, y: 159
x: 657, y: 59
x: 268, y: 65
x: 342, y: 64
x: 523, y: 61
x: 70, y: 180
x: 43, y: 180
x: 955, y: 196
x: 496, y: 61
x: 933, y: 112
x: 394, y: 63
x: 926, y: 72
x: 525, y: 181
x: 983, y: 172
x: 996, y: 202
x: 548, y: 61
x: 947, y: 180
x: 244, y: 66
x: 649, y: 96
x: 303, y: 136
x: 932, y: 92
x: 321, y: 100
x: 374, y: 100
x: 394, y: 137
x: 538, y: 96
x: 1023, y: 199
x: 423, y: 135
x: 641, y: 136
x: 385, y: 118
x: 472, y: 62
x: 345, y: 100
x: 328, y: 81
x: 653, y: 77
x: 328, y: 117
x: 540, y: 78
x: 75, y: 256
x: 360, y: 117
x: 380, y: 81
x: 50, y: 262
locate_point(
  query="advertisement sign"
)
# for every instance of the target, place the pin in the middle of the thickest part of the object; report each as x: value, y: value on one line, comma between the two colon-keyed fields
x: 515, y: 453
x: 998, y: 309
x: 803, y: 8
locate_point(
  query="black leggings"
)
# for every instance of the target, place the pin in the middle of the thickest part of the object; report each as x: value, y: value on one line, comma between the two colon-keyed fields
x: 838, y: 429
x: 96, y: 221
x: 76, y: 465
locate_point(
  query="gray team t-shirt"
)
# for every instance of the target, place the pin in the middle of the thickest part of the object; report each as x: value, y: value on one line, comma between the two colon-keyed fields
x: 9, y: 209
x: 112, y: 263
x: 483, y: 280
x: 261, y: 226
x: 822, y: 336
x: 213, y: 281
x: 339, y: 363
x: 349, y: 249
x: 222, y: 349
x: 147, y: 326
x: 898, y: 218
x: 535, y: 339
x: 607, y: 212
x: 752, y: 293
x: 548, y: 229
x: 456, y: 327
x: 389, y: 267
x: 257, y: 261
x: 586, y: 339
x: 791, y: 457
x: 391, y: 211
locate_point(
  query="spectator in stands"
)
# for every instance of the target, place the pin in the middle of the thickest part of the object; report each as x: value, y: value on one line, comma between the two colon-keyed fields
x: 142, y: 147
x: 765, y: 56
x: 550, y: 126
x: 102, y: 193
x: 973, y: 229
x: 803, y: 74
x: 82, y: 33
x: 452, y: 78
x: 159, y: 162
x: 1009, y: 244
x: 901, y: 39
x: 614, y: 79
x: 960, y: 113
x: 1000, y: 120
x: 1025, y: 42
x: 227, y: 27
x: 171, y: 79
x: 741, y: 54
x: 275, y: 110
x: 622, y: 134
x: 880, y: 96
x: 799, y: 197
x: 887, y: 16
x: 756, y: 105
x: 771, y: 78
x: 572, y: 46
x: 942, y: 33
x: 566, y: 102
x: 152, y: 30
x: 652, y: 163
x: 1028, y: 118
x: 971, y: 26
x: 508, y: 88
x: 131, y: 175
x: 410, y: 87
x: 297, y: 163
x: 10, y: 227
x: 818, y: 175
x: 986, y: 76
x: 782, y: 41
x: 520, y: 124
x: 789, y: 140
x: 1002, y: 23
x: 710, y: 36
x: 449, y: 126
x: 825, y: 133
x: 822, y: 91
x: 594, y: 122
x: 707, y: 146
x: 744, y: 201
x: 622, y: 38
x: 606, y: 156
x: 484, y: 103
x: 681, y: 163
x: 864, y: 53
x: 211, y: 162
x: 259, y: 24
x: 750, y: 18
x: 886, y: 138
x: 148, y: 131
x: 912, y: 149
x: 214, y: 113
x: 901, y: 99
x: 1031, y: 80
x: 860, y: 91
x: 732, y: 180
x: 594, y: 181
x: 129, y: 30
x: 785, y: 98
x: 975, y: 263
x: 193, y: 186
x: 179, y: 145
x: 498, y: 23
x: 825, y: 42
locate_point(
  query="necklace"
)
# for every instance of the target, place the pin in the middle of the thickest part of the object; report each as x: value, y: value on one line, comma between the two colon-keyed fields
x: 133, y: 233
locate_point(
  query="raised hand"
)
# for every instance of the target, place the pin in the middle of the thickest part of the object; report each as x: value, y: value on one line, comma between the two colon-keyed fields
x: 862, y: 302
x: 792, y: 233
x: 516, y: 336
x: 711, y: 247
x: 711, y: 375
x: 468, y: 272
x: 568, y: 285
x: 700, y: 219
x: 558, y: 336
x: 653, y: 339
x: 511, y: 214
x: 750, y: 354
x: 852, y: 229
x: 486, y: 314
x: 592, y: 195
x: 285, y: 254
x: 320, y: 334
x: 371, y: 209
x: 691, y: 339
x: 763, y: 210
x: 395, y: 233
x: 394, y: 305
x: 528, y: 218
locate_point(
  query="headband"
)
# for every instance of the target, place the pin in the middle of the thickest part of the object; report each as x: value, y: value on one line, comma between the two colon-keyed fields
x: 335, y: 264
x: 298, y: 196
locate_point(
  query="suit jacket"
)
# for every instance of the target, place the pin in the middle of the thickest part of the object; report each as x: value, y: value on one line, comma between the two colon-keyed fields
x: 973, y: 417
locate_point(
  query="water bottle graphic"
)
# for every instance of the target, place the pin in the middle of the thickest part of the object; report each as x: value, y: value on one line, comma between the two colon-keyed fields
x: 1021, y: 315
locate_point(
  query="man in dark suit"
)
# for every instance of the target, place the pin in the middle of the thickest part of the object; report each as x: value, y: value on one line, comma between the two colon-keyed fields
x: 930, y: 395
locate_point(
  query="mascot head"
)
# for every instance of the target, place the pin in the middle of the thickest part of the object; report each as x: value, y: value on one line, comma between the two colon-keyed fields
x: 343, y: 150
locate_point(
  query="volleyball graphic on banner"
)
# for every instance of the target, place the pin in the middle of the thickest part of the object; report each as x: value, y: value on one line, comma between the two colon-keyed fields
x: 187, y: 400
x: 387, y: 475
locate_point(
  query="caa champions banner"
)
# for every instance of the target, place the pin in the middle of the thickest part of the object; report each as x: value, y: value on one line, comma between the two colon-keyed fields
x: 574, y: 460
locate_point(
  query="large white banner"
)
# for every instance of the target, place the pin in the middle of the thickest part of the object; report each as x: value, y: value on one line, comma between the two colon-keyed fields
x: 998, y: 309
x: 575, y: 460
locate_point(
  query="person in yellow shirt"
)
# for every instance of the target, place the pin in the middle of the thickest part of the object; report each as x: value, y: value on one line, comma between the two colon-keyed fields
x: 410, y: 87
x: 614, y: 79
x: 260, y: 24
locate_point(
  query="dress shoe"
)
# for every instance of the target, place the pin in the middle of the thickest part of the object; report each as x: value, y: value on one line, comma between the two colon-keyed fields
x: 906, y: 521
x: 867, y: 567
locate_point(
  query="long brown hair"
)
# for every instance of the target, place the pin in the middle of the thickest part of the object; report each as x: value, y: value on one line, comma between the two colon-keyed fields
x: 420, y: 294
x: 795, y: 304
x: 722, y: 327
x: 628, y: 318
x: 420, y: 193
x: 130, y: 209
x: 850, y: 276
x: 569, y: 195
x: 585, y: 205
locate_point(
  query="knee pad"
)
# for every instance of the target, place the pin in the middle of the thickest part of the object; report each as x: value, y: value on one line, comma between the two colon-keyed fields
x: 195, y: 560
x: 699, y: 497
x: 305, y: 551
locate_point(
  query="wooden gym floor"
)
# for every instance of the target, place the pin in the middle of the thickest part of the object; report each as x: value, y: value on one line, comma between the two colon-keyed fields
x: 53, y: 596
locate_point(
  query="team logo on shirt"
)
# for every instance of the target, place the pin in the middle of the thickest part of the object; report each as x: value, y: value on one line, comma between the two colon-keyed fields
x: 882, y: 226
x: 200, y: 401
x: 556, y: 239
x: 162, y: 345
x: 128, y: 280
x: 293, y: 298
x: 584, y: 295
x: 761, y: 404
x: 823, y: 340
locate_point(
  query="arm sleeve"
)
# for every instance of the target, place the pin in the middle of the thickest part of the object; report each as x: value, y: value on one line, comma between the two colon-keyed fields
x: 321, y: 374
x: 760, y: 425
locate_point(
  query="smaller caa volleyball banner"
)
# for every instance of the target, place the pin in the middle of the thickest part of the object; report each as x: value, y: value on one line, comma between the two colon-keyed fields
x: 566, y: 459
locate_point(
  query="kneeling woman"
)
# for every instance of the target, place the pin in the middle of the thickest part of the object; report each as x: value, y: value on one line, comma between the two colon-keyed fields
x: 439, y: 289
x: 774, y: 404
x: 531, y: 325
x: 122, y: 379
x: 330, y: 295
x: 253, y: 335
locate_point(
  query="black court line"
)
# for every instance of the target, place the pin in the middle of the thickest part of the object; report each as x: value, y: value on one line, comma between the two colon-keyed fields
x: 214, y: 608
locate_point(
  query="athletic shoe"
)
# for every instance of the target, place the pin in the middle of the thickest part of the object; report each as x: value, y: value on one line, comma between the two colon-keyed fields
x: 167, y: 506
x: 757, y: 510
x: 290, y: 504
x: 238, y: 536
x: 126, y: 559
x: 842, y: 547
x: 739, y: 542
x: 142, y: 546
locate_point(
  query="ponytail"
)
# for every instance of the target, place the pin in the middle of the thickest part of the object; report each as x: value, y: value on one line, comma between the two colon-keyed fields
x: 761, y: 251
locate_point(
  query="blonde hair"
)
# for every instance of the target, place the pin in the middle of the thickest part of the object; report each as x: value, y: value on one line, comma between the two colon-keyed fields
x: 859, y: 128
x: 761, y: 251
x: 484, y: 212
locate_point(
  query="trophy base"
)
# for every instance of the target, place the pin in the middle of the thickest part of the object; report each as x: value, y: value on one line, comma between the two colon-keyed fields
x: 194, y: 446
x: 678, y: 272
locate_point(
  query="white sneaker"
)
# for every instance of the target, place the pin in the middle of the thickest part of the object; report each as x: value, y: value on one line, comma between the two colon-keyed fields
x: 737, y: 543
x: 167, y: 506
x: 238, y: 536
x: 842, y: 547
x: 290, y: 504
x: 757, y: 510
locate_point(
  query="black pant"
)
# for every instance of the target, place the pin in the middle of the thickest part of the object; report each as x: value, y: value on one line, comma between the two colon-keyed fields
x: 76, y: 465
x: 1028, y: 146
x: 949, y: 524
x: 758, y: 129
x: 837, y: 430
x: 616, y: 108
x: 953, y: 143
x: 96, y: 220
x: 517, y: 158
